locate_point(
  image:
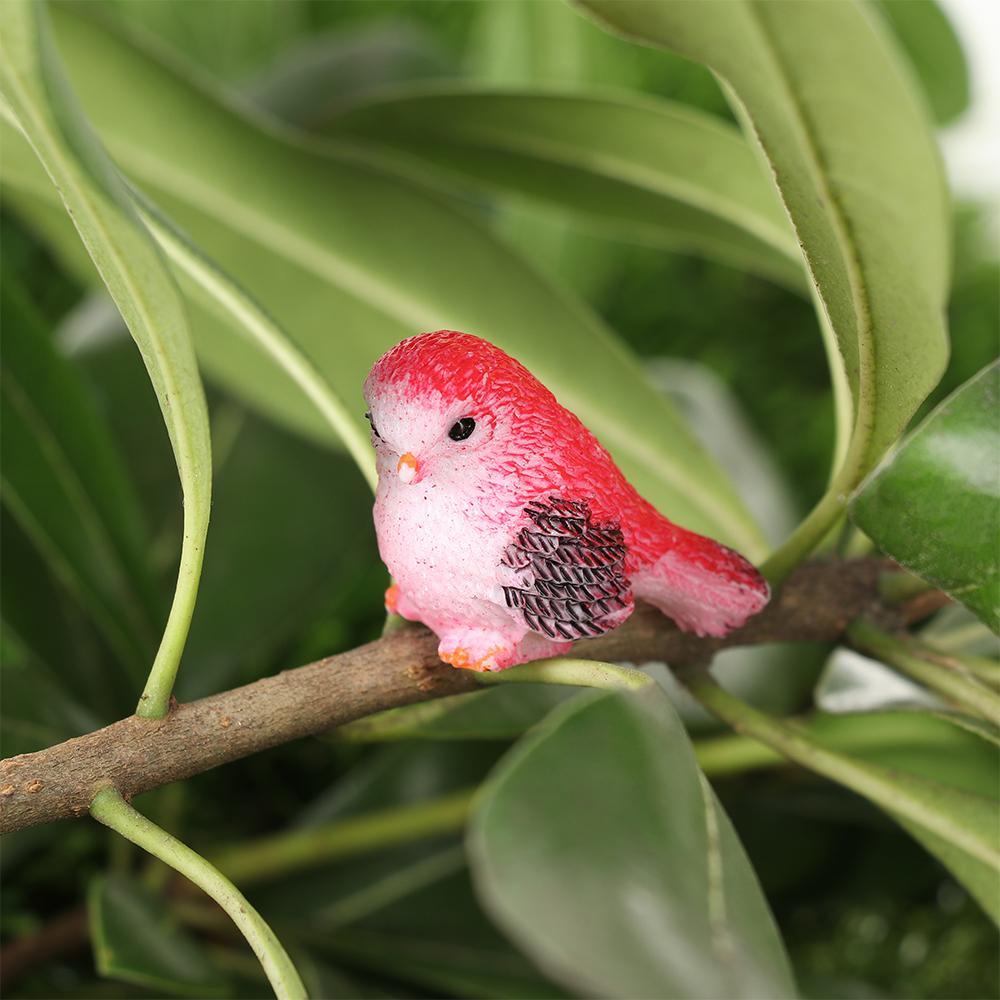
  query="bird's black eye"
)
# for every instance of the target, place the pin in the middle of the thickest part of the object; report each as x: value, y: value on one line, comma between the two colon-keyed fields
x: 461, y: 429
x: 368, y: 417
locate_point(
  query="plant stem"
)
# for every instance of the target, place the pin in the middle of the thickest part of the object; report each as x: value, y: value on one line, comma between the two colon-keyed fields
x: 982, y: 667
x: 911, y: 803
x: 109, y: 808
x: 154, y: 702
x: 962, y: 690
x: 301, y: 848
x: 818, y: 522
x: 579, y: 673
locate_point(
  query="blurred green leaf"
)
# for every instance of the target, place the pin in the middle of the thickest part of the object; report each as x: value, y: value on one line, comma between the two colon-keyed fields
x: 853, y: 156
x: 45, y: 109
x: 319, y: 77
x: 37, y: 710
x: 935, y: 53
x: 500, y: 713
x: 934, y: 506
x: 261, y: 588
x: 438, y: 937
x: 64, y: 482
x: 218, y: 293
x: 136, y: 940
x: 636, y: 168
x: 520, y: 43
x: 602, y: 851
x: 404, y: 774
x: 337, y: 252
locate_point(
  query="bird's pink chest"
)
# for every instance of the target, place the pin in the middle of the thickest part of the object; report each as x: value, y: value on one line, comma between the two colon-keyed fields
x: 440, y: 548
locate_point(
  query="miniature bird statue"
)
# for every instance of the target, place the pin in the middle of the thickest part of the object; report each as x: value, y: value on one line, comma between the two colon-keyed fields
x: 508, y: 530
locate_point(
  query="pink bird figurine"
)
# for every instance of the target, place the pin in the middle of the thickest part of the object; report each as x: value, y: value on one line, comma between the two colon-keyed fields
x: 508, y: 530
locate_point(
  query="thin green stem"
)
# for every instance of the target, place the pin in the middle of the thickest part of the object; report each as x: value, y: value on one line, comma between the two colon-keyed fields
x: 910, y: 802
x: 962, y: 690
x: 296, y: 849
x: 578, y: 673
x: 983, y: 667
x: 154, y: 702
x: 109, y: 808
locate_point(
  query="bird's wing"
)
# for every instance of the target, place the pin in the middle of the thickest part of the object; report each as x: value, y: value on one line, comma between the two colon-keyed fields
x: 564, y: 574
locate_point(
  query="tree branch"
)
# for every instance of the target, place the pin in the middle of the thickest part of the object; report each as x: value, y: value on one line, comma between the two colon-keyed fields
x: 137, y: 754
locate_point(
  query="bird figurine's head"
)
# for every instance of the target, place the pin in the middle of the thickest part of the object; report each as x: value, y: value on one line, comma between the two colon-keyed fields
x: 440, y: 403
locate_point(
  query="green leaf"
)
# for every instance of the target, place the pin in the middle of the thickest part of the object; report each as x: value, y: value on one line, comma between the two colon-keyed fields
x: 261, y: 589
x: 601, y: 850
x: 218, y: 293
x: 520, y: 42
x: 45, y: 109
x: 321, y: 76
x: 924, y: 31
x: 337, y: 252
x: 934, y: 505
x: 135, y: 940
x: 65, y: 483
x: 634, y: 167
x: 438, y: 937
x: 502, y: 713
x: 821, y: 90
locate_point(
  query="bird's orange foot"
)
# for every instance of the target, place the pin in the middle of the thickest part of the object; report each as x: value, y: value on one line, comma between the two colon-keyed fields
x: 460, y: 657
x: 397, y: 603
x: 481, y: 652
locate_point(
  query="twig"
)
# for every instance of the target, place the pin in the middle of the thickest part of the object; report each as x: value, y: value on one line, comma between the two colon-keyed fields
x: 138, y: 754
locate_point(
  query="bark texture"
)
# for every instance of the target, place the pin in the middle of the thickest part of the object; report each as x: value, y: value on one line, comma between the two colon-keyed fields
x: 136, y: 755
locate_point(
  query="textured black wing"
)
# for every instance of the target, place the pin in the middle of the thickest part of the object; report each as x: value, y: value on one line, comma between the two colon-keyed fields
x: 570, y: 572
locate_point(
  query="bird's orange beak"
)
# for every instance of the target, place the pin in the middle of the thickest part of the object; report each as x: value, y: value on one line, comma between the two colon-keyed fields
x: 407, y: 467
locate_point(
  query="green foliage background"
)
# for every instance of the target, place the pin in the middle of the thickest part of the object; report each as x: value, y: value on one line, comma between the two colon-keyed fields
x: 863, y: 910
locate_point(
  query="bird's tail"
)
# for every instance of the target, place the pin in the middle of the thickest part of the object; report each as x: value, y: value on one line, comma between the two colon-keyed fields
x: 706, y: 587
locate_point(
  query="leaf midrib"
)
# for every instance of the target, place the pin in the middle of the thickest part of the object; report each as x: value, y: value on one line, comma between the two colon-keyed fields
x: 864, y: 400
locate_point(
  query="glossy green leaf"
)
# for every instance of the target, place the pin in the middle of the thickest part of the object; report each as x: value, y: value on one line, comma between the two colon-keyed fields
x: 64, y: 482
x: 338, y: 253
x: 927, y: 37
x: 45, y: 109
x: 136, y: 940
x: 934, y: 505
x: 601, y: 850
x: 821, y: 89
x: 636, y: 168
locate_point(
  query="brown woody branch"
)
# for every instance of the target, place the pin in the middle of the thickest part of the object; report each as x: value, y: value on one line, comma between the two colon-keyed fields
x: 137, y: 755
